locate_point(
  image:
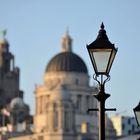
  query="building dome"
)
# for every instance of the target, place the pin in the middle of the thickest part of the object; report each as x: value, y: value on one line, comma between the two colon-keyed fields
x: 66, y: 61
x: 17, y: 102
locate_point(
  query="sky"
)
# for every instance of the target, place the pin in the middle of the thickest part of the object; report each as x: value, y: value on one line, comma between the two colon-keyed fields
x: 35, y: 28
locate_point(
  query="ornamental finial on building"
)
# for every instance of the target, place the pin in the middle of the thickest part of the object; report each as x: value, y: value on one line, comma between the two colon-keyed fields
x: 66, y: 42
x: 3, y: 33
x: 3, y: 40
x: 67, y: 31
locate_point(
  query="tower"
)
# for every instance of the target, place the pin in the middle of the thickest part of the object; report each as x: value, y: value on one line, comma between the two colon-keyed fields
x: 9, y: 74
x: 11, y: 97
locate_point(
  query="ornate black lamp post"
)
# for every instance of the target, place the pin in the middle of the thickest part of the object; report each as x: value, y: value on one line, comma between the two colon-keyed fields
x: 137, y: 114
x: 102, y: 53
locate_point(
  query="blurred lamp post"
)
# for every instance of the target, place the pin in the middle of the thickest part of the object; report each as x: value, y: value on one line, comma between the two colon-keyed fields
x: 137, y: 114
x: 102, y: 53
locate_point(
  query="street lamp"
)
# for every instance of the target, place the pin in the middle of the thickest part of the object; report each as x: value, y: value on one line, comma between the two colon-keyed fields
x: 137, y: 114
x: 102, y: 53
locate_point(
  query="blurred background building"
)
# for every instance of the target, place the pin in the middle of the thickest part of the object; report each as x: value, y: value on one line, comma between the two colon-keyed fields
x: 61, y: 101
x: 14, y: 113
x: 124, y: 125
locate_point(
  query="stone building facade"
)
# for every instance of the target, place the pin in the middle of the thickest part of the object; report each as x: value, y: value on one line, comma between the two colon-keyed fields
x: 64, y: 98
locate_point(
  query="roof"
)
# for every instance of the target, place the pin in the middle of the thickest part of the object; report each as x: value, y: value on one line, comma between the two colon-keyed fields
x: 66, y: 62
x: 17, y: 102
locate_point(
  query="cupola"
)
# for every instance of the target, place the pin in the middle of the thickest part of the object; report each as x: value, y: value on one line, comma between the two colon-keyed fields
x: 66, y: 60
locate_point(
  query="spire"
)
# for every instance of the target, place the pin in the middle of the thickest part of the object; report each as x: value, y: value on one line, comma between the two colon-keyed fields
x: 3, y: 40
x: 3, y: 34
x: 67, y: 31
x: 66, y: 42
x: 5, y: 55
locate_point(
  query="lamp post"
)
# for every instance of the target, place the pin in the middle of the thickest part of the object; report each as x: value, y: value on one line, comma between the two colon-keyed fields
x: 102, y: 53
x: 137, y: 114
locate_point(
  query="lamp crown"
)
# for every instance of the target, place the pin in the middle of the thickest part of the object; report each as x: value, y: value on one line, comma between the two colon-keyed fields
x: 102, y: 33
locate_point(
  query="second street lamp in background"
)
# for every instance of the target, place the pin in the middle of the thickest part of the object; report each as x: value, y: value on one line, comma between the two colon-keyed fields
x: 137, y: 114
x: 102, y: 53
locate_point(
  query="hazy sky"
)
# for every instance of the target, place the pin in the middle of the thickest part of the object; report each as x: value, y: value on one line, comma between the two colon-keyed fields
x: 35, y: 27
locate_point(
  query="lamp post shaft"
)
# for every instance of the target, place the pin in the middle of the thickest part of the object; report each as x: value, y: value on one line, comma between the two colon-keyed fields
x: 101, y: 120
x: 101, y: 97
x: 102, y: 115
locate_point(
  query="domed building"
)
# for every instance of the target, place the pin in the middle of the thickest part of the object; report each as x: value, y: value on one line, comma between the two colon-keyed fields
x: 63, y: 99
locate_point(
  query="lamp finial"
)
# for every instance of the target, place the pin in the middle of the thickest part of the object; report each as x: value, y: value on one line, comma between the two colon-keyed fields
x: 102, y: 26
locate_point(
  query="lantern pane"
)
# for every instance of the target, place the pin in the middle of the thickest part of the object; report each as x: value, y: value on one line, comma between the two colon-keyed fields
x: 114, y: 51
x: 101, y: 59
x: 137, y: 113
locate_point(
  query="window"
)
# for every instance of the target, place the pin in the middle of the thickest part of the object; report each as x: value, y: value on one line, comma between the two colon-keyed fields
x: 129, y: 121
x: 84, y: 127
x: 55, y: 120
x: 133, y: 128
x: 37, y: 106
x: 123, y: 126
x: 47, y: 102
x: 66, y: 120
x: 77, y: 82
x: 47, y: 97
x: 79, y: 102
x: 88, y: 102
x: 41, y: 104
x: 40, y: 138
x: 129, y: 132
